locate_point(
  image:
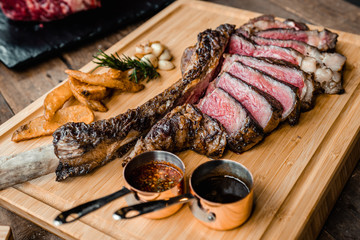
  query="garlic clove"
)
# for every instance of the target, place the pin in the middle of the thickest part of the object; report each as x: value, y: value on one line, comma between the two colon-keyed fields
x: 165, y: 65
x: 157, y: 49
x: 165, y: 55
x: 151, y: 59
x: 142, y: 50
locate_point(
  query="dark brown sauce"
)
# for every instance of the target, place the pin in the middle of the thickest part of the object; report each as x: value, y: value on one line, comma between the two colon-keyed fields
x: 155, y: 177
x: 222, y: 189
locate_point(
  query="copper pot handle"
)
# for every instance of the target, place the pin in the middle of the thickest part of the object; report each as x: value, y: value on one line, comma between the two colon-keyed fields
x: 147, y: 207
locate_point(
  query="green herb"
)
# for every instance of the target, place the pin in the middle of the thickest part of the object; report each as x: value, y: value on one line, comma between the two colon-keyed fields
x: 141, y: 70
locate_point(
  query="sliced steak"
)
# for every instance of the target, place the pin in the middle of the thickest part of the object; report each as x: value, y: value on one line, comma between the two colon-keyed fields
x: 329, y: 81
x: 83, y: 147
x: 44, y: 10
x: 323, y: 40
x: 244, y: 46
x: 284, y: 72
x: 285, y: 93
x: 265, y: 22
x: 242, y: 131
x: 333, y: 61
x: 265, y: 109
x: 185, y: 127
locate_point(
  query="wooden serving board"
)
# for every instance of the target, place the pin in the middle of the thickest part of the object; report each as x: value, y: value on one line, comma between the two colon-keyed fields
x: 298, y: 171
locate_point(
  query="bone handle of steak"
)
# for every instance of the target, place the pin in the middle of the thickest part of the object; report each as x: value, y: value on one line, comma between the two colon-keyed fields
x: 27, y: 165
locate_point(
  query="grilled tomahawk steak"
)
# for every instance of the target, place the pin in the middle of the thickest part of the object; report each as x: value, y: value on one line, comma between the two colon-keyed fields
x: 83, y: 147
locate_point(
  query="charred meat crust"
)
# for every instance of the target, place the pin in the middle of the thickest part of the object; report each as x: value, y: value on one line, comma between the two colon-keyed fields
x: 243, y: 140
x: 264, y: 22
x: 185, y: 127
x: 78, y: 145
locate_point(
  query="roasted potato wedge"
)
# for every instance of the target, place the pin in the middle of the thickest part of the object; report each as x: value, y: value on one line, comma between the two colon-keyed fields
x: 92, y: 104
x: 88, y: 91
x: 56, y: 99
x: 107, y: 80
x: 41, y: 127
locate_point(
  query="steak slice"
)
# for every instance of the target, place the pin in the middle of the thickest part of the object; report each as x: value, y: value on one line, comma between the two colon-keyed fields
x: 242, y: 131
x: 324, y: 40
x: 333, y: 61
x: 40, y: 10
x: 265, y: 109
x: 329, y: 81
x: 285, y: 93
x: 284, y: 72
x: 244, y: 46
x: 83, y: 147
x: 185, y: 127
x: 265, y: 22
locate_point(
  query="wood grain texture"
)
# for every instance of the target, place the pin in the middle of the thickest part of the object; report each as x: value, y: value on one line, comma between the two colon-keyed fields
x: 77, y: 58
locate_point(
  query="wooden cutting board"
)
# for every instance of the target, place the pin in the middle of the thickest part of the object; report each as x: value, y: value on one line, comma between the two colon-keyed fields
x: 298, y: 171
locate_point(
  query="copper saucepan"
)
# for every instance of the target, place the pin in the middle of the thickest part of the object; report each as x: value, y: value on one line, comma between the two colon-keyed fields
x: 130, y: 172
x: 221, y: 196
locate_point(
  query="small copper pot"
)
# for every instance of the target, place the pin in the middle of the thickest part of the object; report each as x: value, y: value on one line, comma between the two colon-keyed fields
x: 216, y: 215
x: 221, y: 216
x: 138, y: 195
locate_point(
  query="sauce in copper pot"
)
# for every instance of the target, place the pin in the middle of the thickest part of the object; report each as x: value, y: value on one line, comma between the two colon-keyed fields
x: 155, y: 177
x: 222, y: 189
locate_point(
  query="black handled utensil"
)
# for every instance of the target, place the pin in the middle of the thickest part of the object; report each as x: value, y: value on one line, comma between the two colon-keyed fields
x: 88, y: 207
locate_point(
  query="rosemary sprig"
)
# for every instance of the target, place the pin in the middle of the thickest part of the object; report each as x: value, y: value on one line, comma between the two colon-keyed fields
x: 141, y: 70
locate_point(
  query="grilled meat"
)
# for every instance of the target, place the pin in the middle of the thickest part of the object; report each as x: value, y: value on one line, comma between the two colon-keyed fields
x: 82, y: 148
x: 242, y: 131
x: 265, y: 109
x: 325, y: 78
x: 285, y: 93
x: 265, y: 22
x: 324, y: 40
x: 185, y: 127
x: 333, y: 61
x: 40, y: 10
x: 283, y: 71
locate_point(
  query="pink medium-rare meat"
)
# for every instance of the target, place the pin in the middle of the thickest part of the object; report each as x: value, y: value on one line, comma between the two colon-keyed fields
x: 324, y: 66
x: 286, y: 94
x: 240, y: 45
x: 265, y: 22
x: 323, y: 40
x: 333, y: 61
x: 265, y: 109
x: 44, y: 10
x: 282, y: 71
x: 326, y: 79
x: 242, y: 131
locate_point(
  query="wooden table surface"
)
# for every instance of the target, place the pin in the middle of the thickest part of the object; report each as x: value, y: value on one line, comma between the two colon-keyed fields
x: 18, y: 88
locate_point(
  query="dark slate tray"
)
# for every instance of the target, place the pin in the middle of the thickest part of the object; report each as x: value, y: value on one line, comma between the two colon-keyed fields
x: 22, y: 43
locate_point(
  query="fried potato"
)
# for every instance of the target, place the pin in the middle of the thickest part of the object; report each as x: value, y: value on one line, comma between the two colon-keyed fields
x: 41, y: 127
x: 92, y: 104
x: 56, y: 99
x: 88, y: 91
x: 106, y: 80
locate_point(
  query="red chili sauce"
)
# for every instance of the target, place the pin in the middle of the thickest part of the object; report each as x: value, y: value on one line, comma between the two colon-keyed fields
x: 155, y: 177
